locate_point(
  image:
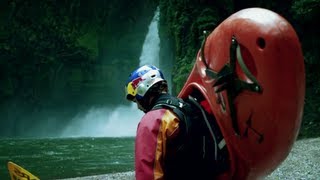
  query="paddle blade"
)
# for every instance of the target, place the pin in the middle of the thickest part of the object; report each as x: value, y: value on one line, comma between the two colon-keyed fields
x: 18, y: 173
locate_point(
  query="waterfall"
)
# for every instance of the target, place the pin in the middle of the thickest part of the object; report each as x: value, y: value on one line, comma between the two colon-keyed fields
x: 151, y: 49
x: 121, y: 121
x: 151, y: 45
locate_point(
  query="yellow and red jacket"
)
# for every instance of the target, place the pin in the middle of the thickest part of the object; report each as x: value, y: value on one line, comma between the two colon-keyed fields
x: 154, y: 130
x: 167, y: 148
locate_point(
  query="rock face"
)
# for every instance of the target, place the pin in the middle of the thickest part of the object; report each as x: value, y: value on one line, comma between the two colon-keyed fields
x: 302, y: 163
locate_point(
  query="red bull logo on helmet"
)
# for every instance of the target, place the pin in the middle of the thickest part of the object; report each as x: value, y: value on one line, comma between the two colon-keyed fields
x: 132, y: 86
x: 136, y: 82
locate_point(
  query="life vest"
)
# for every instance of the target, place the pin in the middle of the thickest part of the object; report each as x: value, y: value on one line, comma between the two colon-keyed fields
x: 199, y: 151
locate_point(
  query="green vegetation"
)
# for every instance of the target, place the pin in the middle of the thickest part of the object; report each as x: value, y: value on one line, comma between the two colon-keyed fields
x: 58, y: 57
x: 61, y: 56
x: 186, y: 20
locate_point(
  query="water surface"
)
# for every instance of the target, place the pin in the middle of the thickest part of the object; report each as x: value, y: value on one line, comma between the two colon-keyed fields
x: 56, y: 158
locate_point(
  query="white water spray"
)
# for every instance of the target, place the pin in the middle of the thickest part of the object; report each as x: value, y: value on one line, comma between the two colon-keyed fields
x: 123, y: 120
x: 104, y: 122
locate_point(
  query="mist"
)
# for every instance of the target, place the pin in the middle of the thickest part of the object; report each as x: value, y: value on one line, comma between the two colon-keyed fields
x: 104, y: 122
x: 121, y: 121
x: 99, y: 108
x: 68, y: 79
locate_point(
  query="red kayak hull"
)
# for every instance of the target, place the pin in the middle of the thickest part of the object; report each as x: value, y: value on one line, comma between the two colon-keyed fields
x: 268, y: 121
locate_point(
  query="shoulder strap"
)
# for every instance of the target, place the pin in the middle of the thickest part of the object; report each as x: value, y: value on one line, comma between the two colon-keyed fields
x: 178, y: 107
x: 212, y: 127
x: 169, y: 102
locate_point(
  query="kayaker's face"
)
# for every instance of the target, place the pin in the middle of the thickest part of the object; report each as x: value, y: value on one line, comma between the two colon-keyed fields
x: 139, y: 105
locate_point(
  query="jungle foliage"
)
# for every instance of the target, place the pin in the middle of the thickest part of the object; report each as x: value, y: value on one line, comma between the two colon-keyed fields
x: 65, y: 55
x: 187, y: 19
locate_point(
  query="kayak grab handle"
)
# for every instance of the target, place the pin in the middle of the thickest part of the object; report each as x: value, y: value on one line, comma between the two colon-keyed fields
x: 227, y: 78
